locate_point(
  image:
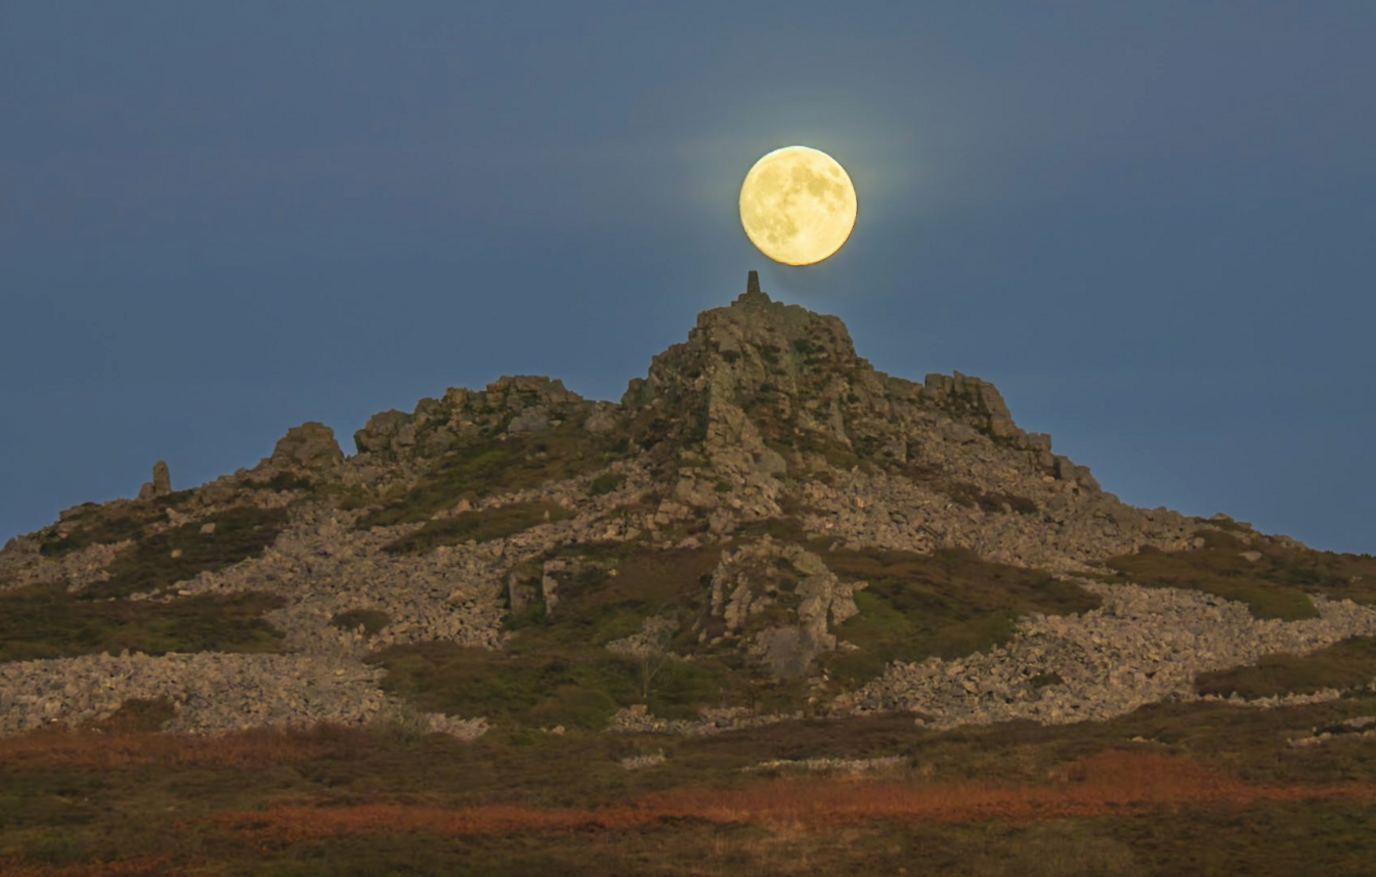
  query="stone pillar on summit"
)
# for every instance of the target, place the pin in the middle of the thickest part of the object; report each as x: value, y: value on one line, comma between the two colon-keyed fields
x: 161, y: 485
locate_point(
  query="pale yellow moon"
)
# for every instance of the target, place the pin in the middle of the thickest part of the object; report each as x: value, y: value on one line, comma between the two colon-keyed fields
x: 798, y: 205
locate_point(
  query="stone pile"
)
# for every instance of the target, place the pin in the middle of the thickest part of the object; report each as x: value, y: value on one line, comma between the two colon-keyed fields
x: 1141, y: 646
x: 209, y: 691
x: 838, y: 765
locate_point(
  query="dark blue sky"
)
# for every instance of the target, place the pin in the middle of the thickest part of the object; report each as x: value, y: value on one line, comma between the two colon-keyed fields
x: 1150, y: 224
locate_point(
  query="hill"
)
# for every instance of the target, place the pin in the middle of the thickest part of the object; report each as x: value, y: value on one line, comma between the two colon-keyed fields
x: 765, y: 527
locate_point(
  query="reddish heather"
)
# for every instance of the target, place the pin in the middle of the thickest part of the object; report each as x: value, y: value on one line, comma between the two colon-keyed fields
x: 1113, y: 782
x: 122, y: 868
x: 258, y: 747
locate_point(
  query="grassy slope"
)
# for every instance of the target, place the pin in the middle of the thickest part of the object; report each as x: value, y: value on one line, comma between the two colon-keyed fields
x: 1349, y: 664
x: 1277, y: 585
x: 946, y: 604
x: 182, y: 553
x: 46, y: 622
x: 478, y: 526
x: 486, y: 467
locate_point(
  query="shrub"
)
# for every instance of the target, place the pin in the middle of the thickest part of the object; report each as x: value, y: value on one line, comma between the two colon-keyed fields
x: 478, y: 526
x: 485, y: 467
x: 606, y: 483
x: 371, y: 620
x: 183, y: 552
x: 113, y: 522
x: 44, y: 621
x: 1348, y: 664
x: 948, y: 604
x: 1268, y: 588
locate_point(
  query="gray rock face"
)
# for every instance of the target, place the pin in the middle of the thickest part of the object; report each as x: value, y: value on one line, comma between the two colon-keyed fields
x: 530, y: 420
x: 780, y: 601
x: 603, y: 420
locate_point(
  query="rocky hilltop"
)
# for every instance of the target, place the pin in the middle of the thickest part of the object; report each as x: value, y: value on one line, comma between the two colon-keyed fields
x: 764, y: 525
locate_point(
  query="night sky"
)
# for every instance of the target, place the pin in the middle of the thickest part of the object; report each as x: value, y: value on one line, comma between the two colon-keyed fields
x: 1149, y: 224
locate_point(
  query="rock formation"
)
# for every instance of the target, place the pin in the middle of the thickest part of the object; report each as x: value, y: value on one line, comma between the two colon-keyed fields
x: 308, y: 446
x: 161, y: 485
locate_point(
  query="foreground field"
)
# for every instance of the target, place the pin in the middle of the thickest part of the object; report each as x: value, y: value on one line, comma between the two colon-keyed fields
x: 1174, y: 789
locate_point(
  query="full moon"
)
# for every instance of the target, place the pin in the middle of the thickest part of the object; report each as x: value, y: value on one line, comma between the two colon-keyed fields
x: 798, y: 205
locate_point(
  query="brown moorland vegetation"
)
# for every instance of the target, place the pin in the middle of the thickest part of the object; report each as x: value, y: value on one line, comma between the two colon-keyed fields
x: 1112, y: 782
x: 1170, y: 789
x: 45, y: 621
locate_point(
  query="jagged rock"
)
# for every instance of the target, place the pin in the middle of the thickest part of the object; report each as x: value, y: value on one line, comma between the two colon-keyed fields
x: 523, y: 391
x: 309, y: 446
x: 791, y: 591
x: 549, y: 585
x: 380, y: 433
x: 975, y: 401
x: 602, y: 420
x: 530, y: 420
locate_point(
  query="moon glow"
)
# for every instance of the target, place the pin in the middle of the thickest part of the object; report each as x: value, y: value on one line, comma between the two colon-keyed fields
x: 798, y: 205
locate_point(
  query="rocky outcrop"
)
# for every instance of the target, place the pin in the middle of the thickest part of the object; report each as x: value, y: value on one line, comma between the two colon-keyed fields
x: 161, y: 485
x: 309, y: 446
x: 515, y: 405
x: 781, y: 602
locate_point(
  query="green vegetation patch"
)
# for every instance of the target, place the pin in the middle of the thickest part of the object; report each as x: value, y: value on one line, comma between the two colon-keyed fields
x: 787, y: 529
x: 371, y: 620
x: 947, y: 604
x: 44, y: 621
x: 1277, y: 585
x: 281, y: 481
x: 974, y: 496
x: 1344, y: 665
x: 184, y: 552
x: 97, y: 524
x: 610, y: 589
x: 555, y: 669
x: 577, y: 688
x: 494, y: 466
x: 606, y: 483
x: 479, y: 526
x: 137, y: 715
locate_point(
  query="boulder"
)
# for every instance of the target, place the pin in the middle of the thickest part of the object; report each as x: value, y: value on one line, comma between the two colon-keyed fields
x: 310, y: 446
x: 379, y: 433
x: 530, y: 420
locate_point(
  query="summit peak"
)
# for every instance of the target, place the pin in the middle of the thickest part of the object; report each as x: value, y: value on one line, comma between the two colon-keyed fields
x: 753, y: 295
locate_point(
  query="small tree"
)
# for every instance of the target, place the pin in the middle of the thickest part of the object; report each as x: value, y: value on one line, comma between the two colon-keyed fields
x: 648, y: 649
